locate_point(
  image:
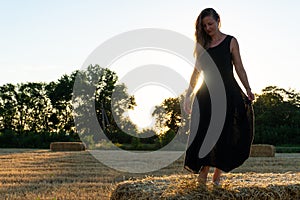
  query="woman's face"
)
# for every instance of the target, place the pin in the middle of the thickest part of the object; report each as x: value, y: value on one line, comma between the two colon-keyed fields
x: 210, y: 25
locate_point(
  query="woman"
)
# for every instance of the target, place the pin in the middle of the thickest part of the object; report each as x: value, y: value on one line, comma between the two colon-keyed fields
x: 233, y: 146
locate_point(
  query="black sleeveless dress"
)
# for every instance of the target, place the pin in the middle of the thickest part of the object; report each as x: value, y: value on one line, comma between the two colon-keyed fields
x: 233, y: 146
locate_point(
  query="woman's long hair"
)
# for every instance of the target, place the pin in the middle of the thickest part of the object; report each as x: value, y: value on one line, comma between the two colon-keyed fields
x: 201, y: 36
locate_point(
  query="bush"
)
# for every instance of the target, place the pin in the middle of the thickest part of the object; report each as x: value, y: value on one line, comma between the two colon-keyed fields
x: 8, y: 139
x: 288, y: 149
x: 11, y: 139
x: 277, y: 136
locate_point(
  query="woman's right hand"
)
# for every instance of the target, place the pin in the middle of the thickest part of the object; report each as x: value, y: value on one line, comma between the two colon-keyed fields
x: 187, y: 105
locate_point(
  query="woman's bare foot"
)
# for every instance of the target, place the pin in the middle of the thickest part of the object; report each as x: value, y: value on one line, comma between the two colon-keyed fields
x: 217, y: 176
x: 202, y: 177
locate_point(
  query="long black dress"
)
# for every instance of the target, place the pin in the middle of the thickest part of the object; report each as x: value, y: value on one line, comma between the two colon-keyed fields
x: 233, y: 146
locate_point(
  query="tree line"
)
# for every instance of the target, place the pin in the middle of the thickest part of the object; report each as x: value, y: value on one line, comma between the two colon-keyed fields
x: 276, y: 115
x: 35, y: 114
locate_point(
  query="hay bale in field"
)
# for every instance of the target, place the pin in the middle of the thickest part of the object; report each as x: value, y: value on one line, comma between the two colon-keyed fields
x: 67, y: 146
x: 262, y: 150
x: 185, y: 187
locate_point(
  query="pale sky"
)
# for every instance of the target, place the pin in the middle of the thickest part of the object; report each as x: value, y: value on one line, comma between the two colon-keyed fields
x: 42, y: 40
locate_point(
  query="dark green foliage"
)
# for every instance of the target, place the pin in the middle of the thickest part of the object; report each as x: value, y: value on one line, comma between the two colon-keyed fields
x: 170, y: 116
x: 288, y: 149
x: 277, y: 117
x: 35, y: 114
x: 32, y: 115
x: 167, y: 137
x: 102, y: 99
x: 10, y: 139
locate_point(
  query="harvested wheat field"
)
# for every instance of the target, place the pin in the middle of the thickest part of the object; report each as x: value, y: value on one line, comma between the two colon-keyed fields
x: 43, y: 174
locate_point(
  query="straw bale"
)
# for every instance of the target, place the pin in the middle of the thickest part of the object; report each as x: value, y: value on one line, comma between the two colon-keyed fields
x: 185, y: 187
x: 262, y: 150
x: 67, y: 146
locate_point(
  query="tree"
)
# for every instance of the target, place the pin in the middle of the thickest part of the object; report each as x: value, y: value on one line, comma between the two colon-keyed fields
x: 60, y: 94
x: 33, y: 107
x: 8, y: 107
x: 171, y: 119
x: 277, y: 116
x: 98, y: 96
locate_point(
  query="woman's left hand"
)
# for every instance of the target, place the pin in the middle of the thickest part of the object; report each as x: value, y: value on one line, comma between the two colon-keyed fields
x: 251, y: 96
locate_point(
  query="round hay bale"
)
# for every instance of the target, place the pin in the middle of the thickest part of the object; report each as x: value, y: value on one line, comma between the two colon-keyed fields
x: 262, y: 150
x: 67, y: 146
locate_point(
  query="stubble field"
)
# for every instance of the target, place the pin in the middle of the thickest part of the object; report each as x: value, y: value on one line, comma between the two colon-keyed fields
x: 42, y: 174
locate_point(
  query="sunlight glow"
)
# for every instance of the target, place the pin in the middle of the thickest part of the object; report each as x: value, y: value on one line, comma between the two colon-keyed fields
x: 151, y: 94
x: 147, y: 98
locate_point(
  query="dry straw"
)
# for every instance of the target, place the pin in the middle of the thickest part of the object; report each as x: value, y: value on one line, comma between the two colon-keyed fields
x: 44, y: 174
x: 185, y: 187
x: 67, y: 146
x: 262, y: 150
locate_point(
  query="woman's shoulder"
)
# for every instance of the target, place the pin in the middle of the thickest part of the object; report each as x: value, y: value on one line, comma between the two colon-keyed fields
x: 229, y: 37
x: 233, y: 42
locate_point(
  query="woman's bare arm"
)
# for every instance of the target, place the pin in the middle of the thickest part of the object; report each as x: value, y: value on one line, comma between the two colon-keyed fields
x: 192, y: 85
x: 240, y: 70
x: 237, y: 61
x: 194, y: 80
